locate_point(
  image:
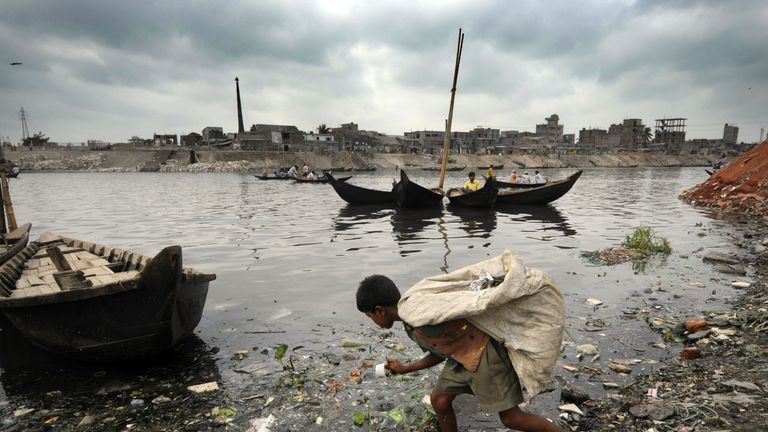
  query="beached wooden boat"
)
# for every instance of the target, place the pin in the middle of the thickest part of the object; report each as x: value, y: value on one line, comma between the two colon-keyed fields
x: 13, y: 242
x: 98, y: 303
x: 359, y: 195
x: 483, y: 198
x: 496, y: 167
x: 543, y: 194
x: 710, y: 172
x: 321, y: 179
x: 411, y: 195
x: 437, y: 168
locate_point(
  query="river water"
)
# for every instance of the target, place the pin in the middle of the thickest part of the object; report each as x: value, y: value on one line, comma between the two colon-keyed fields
x: 288, y: 256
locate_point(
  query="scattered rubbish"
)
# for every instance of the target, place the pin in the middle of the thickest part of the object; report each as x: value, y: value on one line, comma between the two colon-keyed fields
x: 381, y: 370
x: 87, y: 420
x: 690, y: 353
x: 744, y: 385
x: 620, y: 368
x: 137, y: 403
x: 587, y: 349
x: 575, y: 394
x: 594, y: 302
x: 351, y: 343
x: 652, y: 392
x: 161, y: 400
x: 741, y: 284
x: 484, y: 280
x: 22, y: 411
x: 205, y: 387
x: 262, y: 424
x: 696, y: 324
x: 571, y: 408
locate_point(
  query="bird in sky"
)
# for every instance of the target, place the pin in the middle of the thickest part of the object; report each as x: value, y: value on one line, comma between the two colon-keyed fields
x: 16, y: 64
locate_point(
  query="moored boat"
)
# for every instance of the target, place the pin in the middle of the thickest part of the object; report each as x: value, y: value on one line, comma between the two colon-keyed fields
x: 437, y: 168
x: 13, y: 242
x: 496, y: 167
x: 412, y: 195
x: 98, y: 303
x: 542, y: 194
x: 483, y: 198
x: 359, y: 195
x: 322, y: 179
x: 272, y: 177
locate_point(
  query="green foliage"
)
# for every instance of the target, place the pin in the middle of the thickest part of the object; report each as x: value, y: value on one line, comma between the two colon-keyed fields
x: 396, y: 415
x: 38, y: 139
x: 294, y: 380
x: 645, y: 241
x: 323, y: 129
x: 280, y: 351
x: 359, y: 418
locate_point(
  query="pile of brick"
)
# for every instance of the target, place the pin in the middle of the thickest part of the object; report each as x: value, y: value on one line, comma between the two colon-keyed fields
x: 741, y: 186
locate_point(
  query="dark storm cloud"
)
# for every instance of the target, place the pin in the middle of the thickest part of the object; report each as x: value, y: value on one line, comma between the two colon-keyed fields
x: 386, y: 65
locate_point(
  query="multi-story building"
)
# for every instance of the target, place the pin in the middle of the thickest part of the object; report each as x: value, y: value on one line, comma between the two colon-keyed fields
x: 212, y: 133
x: 670, y: 133
x: 551, y: 132
x: 484, y: 140
x: 426, y: 141
x: 730, y: 134
x: 633, y: 134
x: 593, y: 139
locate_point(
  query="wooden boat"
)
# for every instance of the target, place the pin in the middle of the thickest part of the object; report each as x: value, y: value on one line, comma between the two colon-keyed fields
x: 437, y: 168
x: 710, y: 172
x: 359, y: 195
x: 13, y: 242
x: 506, y: 185
x: 98, y: 303
x: 483, y: 197
x: 496, y: 167
x: 9, y: 168
x: 538, y: 195
x: 411, y: 195
x: 322, y: 179
x: 272, y: 177
x: 366, y: 168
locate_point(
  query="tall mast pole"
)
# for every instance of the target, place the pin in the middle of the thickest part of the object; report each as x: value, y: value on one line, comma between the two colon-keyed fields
x: 447, y: 140
x: 240, y: 127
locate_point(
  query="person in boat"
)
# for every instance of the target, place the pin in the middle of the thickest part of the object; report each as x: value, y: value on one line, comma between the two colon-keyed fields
x: 523, y: 179
x: 311, y: 175
x: 538, y: 178
x: 513, y: 176
x: 294, y: 171
x: 474, y: 362
x: 264, y: 172
x: 305, y: 170
x: 489, y: 174
x: 472, y: 184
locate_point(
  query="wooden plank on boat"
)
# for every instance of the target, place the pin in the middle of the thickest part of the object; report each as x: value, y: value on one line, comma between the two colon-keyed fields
x: 97, y: 271
x: 55, y: 255
x: 72, y: 279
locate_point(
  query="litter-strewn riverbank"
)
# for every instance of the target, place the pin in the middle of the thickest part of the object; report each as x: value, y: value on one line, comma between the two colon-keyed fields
x: 240, y: 161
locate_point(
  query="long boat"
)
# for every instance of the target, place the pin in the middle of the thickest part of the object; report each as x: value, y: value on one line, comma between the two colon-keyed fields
x: 272, y: 177
x: 543, y: 194
x: 483, y: 198
x: 437, y: 168
x: 99, y: 303
x: 359, y: 195
x: 505, y: 185
x: 496, y: 167
x: 319, y: 179
x: 13, y: 242
x: 411, y: 195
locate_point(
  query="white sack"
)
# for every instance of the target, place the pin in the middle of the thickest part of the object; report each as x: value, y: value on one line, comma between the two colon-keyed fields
x: 526, y: 312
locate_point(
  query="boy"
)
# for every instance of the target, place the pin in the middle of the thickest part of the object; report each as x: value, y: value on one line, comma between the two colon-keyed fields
x: 476, y: 364
x: 471, y: 185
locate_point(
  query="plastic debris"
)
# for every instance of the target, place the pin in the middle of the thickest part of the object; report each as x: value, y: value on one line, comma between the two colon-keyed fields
x: 262, y: 424
x: 205, y: 387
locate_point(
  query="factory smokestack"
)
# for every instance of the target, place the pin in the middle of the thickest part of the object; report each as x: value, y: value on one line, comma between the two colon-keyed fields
x: 240, y: 127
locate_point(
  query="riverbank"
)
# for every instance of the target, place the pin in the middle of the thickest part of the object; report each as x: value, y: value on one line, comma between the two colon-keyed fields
x: 240, y: 161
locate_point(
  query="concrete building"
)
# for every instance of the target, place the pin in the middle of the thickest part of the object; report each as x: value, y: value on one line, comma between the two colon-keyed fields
x: 633, y: 134
x: 282, y: 137
x: 551, y: 132
x: 593, y: 139
x: 670, y: 133
x: 426, y: 141
x: 165, y: 139
x: 212, y: 133
x: 569, y: 140
x: 191, y: 139
x: 484, y: 140
x: 730, y: 134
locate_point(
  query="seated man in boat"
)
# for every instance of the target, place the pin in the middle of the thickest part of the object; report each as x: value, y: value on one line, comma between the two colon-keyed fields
x: 472, y: 184
x: 538, y: 178
x: 305, y: 170
x: 523, y: 179
x: 311, y: 175
x: 513, y: 176
x: 489, y: 174
x: 294, y: 171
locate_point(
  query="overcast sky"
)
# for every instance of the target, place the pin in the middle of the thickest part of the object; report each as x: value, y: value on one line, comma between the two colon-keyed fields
x: 108, y: 70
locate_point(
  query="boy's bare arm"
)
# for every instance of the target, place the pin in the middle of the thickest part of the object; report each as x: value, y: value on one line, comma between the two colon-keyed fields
x: 425, y: 362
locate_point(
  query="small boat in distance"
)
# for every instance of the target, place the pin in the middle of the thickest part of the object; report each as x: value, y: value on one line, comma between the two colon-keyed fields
x: 437, y: 168
x: 322, y: 179
x: 496, y: 167
x: 411, y: 195
x: 484, y: 197
x: 98, y: 303
x: 272, y: 177
x: 357, y: 195
x: 542, y: 194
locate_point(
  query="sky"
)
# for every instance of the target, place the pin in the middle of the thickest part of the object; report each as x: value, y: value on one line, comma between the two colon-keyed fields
x: 109, y: 70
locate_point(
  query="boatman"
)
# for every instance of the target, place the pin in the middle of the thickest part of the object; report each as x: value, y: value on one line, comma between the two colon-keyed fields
x: 472, y: 184
x: 489, y: 174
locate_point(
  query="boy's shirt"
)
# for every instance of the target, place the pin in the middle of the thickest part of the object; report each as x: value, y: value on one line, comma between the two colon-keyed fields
x: 459, y: 341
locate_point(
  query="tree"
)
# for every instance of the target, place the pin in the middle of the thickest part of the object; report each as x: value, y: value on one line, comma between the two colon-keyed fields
x: 323, y: 129
x: 37, y: 140
x: 648, y: 135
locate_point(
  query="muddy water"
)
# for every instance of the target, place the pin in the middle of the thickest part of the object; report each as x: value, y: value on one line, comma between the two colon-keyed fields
x: 288, y: 258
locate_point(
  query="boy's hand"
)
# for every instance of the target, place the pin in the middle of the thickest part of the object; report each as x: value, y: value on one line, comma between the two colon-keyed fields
x: 395, y: 367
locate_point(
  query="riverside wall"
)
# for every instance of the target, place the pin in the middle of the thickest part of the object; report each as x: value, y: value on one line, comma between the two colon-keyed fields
x: 178, y: 160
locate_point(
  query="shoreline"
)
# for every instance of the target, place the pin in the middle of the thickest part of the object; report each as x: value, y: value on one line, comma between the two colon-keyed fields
x: 253, y: 162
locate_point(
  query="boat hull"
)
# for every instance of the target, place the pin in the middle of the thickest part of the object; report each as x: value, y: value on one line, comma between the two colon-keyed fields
x: 539, y: 195
x: 411, y: 195
x: 484, y: 197
x: 134, y: 319
x: 357, y: 195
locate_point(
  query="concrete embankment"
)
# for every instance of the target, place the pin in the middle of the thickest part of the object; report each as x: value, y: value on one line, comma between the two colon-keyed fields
x: 176, y: 160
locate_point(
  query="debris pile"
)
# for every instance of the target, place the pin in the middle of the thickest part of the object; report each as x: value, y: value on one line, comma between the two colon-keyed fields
x: 40, y: 162
x: 172, y: 165
x: 742, y: 185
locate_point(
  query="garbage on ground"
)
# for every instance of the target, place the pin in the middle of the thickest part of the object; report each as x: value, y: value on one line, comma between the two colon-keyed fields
x: 205, y: 387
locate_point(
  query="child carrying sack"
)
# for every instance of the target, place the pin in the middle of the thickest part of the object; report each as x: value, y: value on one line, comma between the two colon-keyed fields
x: 525, y: 312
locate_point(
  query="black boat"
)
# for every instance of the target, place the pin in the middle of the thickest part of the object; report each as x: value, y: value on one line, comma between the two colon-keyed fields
x: 507, y: 185
x: 496, y: 167
x: 543, y: 194
x: 411, y: 195
x: 13, y: 242
x: 272, y: 177
x: 359, y: 195
x: 99, y: 303
x: 483, y: 197
x: 437, y: 168
x: 710, y: 172
x: 323, y: 179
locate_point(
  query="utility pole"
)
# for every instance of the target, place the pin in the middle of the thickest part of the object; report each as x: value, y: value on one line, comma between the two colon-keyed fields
x: 24, y: 128
x: 240, y: 127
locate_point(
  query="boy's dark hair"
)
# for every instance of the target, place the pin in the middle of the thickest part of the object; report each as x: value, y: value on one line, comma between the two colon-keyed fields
x: 376, y: 290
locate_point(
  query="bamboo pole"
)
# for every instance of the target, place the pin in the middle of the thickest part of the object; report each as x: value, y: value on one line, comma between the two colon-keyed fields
x: 447, y: 140
x: 7, y: 203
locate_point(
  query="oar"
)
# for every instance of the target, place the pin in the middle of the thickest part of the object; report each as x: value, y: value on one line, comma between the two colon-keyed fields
x: 447, y: 140
x: 7, y: 202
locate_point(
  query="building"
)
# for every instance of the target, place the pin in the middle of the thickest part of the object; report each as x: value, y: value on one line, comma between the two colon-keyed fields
x: 191, y: 139
x: 484, y: 140
x: 165, y: 139
x: 275, y: 137
x: 670, y: 133
x: 730, y: 134
x: 551, y: 132
x: 569, y: 140
x: 212, y: 133
x: 426, y: 141
x: 633, y: 134
x: 593, y: 139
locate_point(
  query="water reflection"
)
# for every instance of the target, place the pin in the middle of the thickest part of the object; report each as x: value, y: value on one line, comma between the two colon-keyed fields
x: 409, y: 227
x: 474, y: 221
x: 351, y: 217
x: 29, y: 371
x: 550, y: 217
